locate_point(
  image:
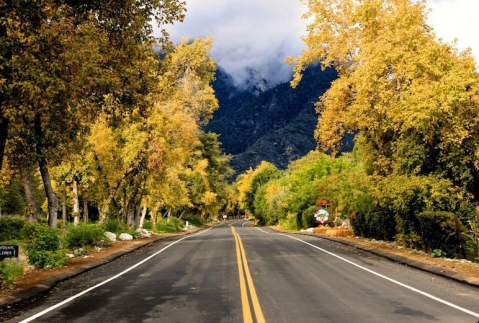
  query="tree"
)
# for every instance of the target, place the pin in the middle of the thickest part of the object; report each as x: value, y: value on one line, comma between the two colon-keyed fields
x: 64, y: 62
x: 412, y: 98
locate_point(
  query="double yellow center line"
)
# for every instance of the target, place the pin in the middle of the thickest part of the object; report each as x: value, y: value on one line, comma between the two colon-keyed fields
x: 241, y: 257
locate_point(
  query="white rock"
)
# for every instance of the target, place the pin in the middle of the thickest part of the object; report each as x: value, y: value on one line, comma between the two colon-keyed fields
x: 111, y: 236
x: 70, y: 255
x: 125, y: 236
x: 310, y: 230
x: 144, y: 233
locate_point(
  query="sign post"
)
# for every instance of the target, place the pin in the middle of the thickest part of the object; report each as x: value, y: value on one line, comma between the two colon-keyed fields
x: 8, y: 251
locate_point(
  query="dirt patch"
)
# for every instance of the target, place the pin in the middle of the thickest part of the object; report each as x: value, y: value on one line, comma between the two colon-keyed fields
x: 456, y: 265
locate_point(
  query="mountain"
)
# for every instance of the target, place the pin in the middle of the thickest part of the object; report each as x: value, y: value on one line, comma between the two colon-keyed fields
x: 257, y: 122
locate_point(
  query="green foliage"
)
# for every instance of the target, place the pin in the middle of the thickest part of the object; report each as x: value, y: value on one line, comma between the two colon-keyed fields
x: 193, y: 220
x: 11, y: 227
x: 85, y: 235
x: 307, y: 217
x: 9, y: 270
x: 175, y: 225
x: 438, y: 253
x: 148, y: 225
x: 290, y: 222
x: 438, y: 231
x: 112, y: 225
x: 42, y: 246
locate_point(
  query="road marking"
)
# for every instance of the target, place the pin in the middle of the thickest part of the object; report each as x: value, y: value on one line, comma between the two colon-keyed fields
x: 462, y: 309
x: 247, y: 318
x: 31, y: 318
x: 252, y: 290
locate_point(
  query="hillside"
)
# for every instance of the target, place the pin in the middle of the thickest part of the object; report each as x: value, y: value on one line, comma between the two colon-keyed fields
x: 275, y: 124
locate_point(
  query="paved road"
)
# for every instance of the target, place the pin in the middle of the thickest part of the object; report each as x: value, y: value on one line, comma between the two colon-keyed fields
x: 245, y: 274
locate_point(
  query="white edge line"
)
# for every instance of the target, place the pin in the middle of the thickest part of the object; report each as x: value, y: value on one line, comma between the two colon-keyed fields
x: 31, y: 318
x: 384, y: 277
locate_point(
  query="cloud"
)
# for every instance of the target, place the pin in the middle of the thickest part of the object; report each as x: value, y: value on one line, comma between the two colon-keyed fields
x: 260, y: 34
x: 257, y: 34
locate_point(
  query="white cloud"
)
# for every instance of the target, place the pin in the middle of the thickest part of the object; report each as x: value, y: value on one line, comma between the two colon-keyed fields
x: 260, y: 34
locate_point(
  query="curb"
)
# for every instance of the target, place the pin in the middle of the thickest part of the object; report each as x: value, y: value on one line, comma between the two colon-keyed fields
x: 462, y: 278
x: 49, y: 283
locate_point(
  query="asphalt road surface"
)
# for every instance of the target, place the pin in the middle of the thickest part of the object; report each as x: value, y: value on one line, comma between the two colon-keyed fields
x: 235, y: 273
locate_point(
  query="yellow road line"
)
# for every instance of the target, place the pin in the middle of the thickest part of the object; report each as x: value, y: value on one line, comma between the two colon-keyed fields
x: 252, y: 290
x: 244, y: 293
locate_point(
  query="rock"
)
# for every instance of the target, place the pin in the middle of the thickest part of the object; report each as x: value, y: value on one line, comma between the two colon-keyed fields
x: 310, y: 230
x: 98, y: 249
x: 144, y: 233
x: 70, y: 255
x: 111, y: 236
x: 125, y: 236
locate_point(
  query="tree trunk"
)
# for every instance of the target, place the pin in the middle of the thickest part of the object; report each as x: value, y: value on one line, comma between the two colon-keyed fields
x: 85, y: 209
x: 137, y: 215
x: 143, y: 215
x: 130, y: 216
x: 106, y: 206
x: 182, y: 214
x: 3, y: 137
x: 64, y: 207
x: 51, y: 196
x: 169, y: 216
x: 29, y: 191
x: 76, y: 203
x: 154, y: 215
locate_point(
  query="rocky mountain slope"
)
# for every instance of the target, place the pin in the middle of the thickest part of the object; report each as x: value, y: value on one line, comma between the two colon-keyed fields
x: 276, y: 124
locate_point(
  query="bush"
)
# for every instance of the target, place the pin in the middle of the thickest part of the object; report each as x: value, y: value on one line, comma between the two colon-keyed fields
x: 193, y: 220
x: 112, y: 225
x: 438, y: 231
x: 290, y: 223
x: 42, y: 243
x: 9, y: 270
x: 307, y: 218
x: 375, y: 224
x: 85, y: 235
x: 147, y: 225
x: 11, y: 227
x: 175, y: 225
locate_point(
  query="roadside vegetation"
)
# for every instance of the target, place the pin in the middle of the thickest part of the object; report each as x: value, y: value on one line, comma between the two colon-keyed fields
x: 100, y: 133
x: 412, y: 102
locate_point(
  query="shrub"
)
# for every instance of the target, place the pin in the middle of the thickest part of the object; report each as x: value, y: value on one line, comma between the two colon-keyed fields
x: 147, y: 225
x: 374, y: 224
x: 438, y: 231
x: 9, y: 270
x: 42, y: 243
x: 85, y: 235
x: 11, y: 227
x: 290, y: 223
x: 307, y: 217
x: 112, y: 225
x: 193, y: 220
x: 175, y: 225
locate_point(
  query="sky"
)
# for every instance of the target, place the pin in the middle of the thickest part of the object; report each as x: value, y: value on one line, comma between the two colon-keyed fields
x: 260, y: 34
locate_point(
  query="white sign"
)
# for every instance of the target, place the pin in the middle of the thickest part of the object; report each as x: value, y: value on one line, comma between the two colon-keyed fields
x: 321, y: 216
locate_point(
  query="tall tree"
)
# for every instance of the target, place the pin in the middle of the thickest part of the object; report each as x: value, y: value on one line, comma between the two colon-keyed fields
x: 413, y: 99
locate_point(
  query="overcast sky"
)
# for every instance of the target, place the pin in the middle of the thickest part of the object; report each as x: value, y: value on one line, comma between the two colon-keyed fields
x: 260, y: 34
